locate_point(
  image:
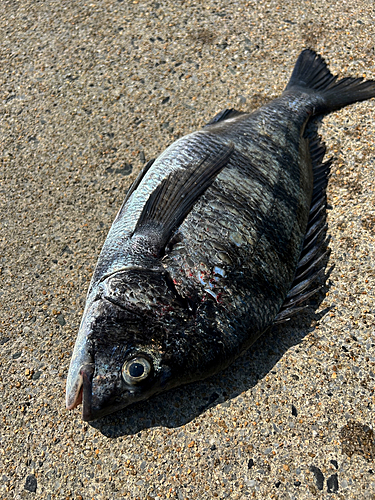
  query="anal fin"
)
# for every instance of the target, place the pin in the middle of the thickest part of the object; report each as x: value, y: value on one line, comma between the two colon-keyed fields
x: 315, y: 249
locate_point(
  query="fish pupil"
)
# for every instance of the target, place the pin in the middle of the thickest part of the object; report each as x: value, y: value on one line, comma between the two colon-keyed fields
x: 136, y: 370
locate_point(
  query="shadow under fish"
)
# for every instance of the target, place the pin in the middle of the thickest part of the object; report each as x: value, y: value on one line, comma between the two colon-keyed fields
x: 220, y: 237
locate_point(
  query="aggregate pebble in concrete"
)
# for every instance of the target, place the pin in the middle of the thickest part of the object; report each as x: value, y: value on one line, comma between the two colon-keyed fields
x: 89, y: 93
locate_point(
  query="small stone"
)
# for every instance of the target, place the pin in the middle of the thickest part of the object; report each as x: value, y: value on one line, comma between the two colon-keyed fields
x: 332, y: 484
x: 36, y: 375
x: 31, y: 483
x: 318, y: 475
x: 60, y: 319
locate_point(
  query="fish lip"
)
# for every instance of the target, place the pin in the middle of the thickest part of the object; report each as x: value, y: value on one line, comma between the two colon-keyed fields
x: 74, y: 393
x: 87, y: 373
x: 77, y: 400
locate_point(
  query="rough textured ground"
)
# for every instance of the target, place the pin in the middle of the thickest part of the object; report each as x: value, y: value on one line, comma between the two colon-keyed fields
x: 89, y: 92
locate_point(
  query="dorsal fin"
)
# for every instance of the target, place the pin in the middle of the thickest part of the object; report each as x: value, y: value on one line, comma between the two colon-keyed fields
x: 224, y: 115
x: 176, y: 195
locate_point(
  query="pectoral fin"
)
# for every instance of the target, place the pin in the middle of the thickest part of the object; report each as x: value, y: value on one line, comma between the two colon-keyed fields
x: 176, y: 195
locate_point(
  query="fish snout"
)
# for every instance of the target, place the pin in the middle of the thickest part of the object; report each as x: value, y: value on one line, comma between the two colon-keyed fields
x: 101, y: 393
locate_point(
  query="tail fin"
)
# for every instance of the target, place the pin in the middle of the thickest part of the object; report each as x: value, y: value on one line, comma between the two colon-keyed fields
x: 311, y: 74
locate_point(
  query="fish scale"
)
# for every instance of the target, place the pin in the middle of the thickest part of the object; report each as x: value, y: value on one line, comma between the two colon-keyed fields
x: 221, y: 236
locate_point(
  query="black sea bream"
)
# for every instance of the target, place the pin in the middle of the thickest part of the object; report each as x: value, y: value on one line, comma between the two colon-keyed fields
x: 218, y: 238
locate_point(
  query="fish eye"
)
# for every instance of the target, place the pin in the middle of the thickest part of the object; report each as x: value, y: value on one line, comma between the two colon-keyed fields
x: 136, y: 370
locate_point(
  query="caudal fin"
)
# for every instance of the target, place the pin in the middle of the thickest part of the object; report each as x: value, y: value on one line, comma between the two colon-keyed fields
x: 312, y: 75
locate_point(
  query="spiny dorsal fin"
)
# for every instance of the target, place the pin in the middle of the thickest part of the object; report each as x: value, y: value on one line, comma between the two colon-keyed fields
x: 224, y: 115
x: 176, y: 195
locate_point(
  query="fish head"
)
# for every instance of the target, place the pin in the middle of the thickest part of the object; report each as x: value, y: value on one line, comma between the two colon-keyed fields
x: 120, y: 357
x: 119, y: 378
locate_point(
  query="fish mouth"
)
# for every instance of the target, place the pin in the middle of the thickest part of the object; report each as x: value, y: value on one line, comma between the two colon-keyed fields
x: 90, y: 409
x: 83, y: 392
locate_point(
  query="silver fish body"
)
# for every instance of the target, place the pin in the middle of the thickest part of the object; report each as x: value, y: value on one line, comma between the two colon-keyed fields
x: 207, y: 246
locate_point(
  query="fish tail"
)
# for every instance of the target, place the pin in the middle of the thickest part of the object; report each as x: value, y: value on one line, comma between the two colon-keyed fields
x: 311, y: 74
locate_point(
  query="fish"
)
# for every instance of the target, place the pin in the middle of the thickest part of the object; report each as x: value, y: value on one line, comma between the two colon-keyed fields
x: 220, y: 237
